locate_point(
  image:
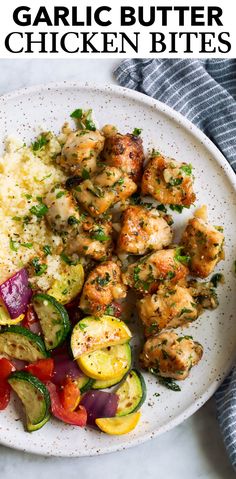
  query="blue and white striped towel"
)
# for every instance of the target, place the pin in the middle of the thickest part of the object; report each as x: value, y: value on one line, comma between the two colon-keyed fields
x: 205, y: 92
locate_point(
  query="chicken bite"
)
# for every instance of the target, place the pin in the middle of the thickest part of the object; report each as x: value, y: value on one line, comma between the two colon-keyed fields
x: 125, y: 152
x: 204, y: 244
x: 103, y: 285
x: 171, y: 306
x: 62, y: 214
x: 143, y: 230
x: 103, y: 190
x: 93, y: 239
x: 171, y: 355
x: 168, y: 181
x: 80, y: 152
x: 147, y: 274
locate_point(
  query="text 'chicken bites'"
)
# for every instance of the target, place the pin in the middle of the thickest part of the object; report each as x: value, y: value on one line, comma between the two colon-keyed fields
x: 204, y: 244
x: 143, y: 230
x: 171, y: 355
x: 147, y: 274
x: 168, y: 181
x: 125, y: 152
x: 102, y: 286
x: 104, y: 189
x: 169, y: 307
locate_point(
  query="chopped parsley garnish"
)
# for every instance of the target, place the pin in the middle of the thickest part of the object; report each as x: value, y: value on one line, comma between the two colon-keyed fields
x: 137, y: 131
x: 72, y: 220
x: 170, y: 275
x: 177, y: 208
x: 216, y: 279
x: 27, y: 245
x: 184, y: 337
x: 99, y: 235
x: 16, y: 218
x: 68, y: 260
x: 154, y: 153
x: 175, y: 181
x: 103, y: 281
x: 185, y: 311
x: 39, y: 268
x: 89, y: 123
x: 40, y: 142
x: 110, y: 311
x: 169, y: 383
x: 47, y: 250
x: 60, y: 194
x: 14, y: 245
x: 85, y: 174
x: 77, y: 113
x: 162, y: 208
x: 184, y: 259
x: 39, y: 210
x: 187, y: 169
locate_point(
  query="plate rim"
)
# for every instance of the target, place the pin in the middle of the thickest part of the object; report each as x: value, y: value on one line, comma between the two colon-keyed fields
x: 228, y: 170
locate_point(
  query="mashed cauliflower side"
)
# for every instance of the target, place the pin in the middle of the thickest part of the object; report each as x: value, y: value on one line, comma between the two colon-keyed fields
x: 25, y: 177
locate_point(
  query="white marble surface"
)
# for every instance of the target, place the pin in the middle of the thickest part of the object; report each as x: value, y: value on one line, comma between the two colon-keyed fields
x: 190, y: 451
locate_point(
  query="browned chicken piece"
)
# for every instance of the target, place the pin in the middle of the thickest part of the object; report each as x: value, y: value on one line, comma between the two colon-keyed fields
x: 168, y: 181
x: 171, y: 355
x: 62, y: 214
x: 80, y: 152
x: 103, y: 190
x: 103, y: 285
x: 93, y: 239
x: 204, y: 244
x: 125, y: 152
x: 148, y: 273
x: 143, y: 230
x: 171, y: 306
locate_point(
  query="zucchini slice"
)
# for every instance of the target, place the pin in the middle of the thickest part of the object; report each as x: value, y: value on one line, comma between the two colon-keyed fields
x: 91, y: 334
x: 20, y: 343
x: 106, y: 364
x: 34, y: 396
x: 70, y: 284
x: 118, y: 425
x: 54, y: 319
x: 132, y: 393
x: 99, y: 384
x: 84, y: 384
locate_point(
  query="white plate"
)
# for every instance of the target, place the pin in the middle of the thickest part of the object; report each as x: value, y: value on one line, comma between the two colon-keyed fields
x: 49, y: 106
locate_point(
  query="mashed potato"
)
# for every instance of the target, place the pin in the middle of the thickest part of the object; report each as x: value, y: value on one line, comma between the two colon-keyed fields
x: 25, y: 177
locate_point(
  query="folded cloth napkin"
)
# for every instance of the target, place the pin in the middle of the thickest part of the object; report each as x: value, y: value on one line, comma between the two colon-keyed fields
x: 205, y: 92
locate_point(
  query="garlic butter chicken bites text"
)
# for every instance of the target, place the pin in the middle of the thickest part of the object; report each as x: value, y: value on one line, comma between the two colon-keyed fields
x: 168, y: 181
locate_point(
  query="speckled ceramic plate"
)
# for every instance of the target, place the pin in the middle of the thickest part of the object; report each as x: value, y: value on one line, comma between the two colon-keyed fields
x: 49, y: 106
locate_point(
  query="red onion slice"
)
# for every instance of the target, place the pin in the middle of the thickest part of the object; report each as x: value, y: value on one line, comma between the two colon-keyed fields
x: 99, y: 404
x: 16, y: 293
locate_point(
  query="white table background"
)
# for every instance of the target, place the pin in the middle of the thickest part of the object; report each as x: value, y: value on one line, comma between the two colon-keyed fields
x: 190, y: 451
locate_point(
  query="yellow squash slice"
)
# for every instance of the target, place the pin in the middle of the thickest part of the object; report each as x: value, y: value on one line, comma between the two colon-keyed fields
x: 105, y: 364
x: 91, y: 334
x: 118, y: 425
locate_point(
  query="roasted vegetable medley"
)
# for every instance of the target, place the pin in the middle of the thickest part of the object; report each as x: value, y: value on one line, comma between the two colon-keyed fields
x: 105, y: 208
